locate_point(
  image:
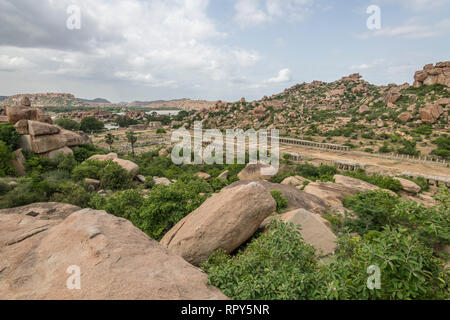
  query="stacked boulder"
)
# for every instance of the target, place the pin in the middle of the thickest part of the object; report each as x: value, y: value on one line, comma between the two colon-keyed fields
x: 433, y: 74
x: 39, y: 135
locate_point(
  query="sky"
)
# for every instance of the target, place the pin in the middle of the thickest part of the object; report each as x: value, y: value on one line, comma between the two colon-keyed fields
x: 131, y: 50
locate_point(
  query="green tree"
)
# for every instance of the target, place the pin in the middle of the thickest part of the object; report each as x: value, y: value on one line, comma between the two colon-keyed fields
x: 6, y: 156
x: 132, y: 138
x: 91, y: 124
x: 9, y: 136
x: 68, y: 124
x: 109, y: 139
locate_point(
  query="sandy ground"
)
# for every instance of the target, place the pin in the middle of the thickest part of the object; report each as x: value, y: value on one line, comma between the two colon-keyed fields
x: 373, y: 164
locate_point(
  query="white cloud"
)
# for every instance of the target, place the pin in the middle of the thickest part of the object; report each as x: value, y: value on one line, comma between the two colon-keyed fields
x: 412, y: 29
x: 284, y: 75
x: 13, y: 63
x: 256, y: 12
x: 420, y: 5
x: 157, y: 43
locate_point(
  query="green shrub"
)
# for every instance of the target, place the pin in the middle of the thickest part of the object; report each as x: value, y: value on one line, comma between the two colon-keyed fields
x: 6, y: 167
x: 114, y: 177
x: 376, y: 179
x: 160, y: 131
x: 408, y: 269
x: 4, y: 188
x: 374, y: 210
x: 27, y: 191
x: 430, y: 223
x: 85, y: 151
x: 9, y: 136
x: 89, y: 169
x: 167, y: 205
x: 68, y: 124
x: 277, y: 265
x: 282, y: 202
x: 72, y: 193
x: 91, y: 124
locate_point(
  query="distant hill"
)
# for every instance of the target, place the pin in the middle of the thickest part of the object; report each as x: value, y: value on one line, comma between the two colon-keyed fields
x: 3, y: 98
x: 67, y: 100
x: 97, y: 100
x: 184, y: 104
x: 387, y: 119
x: 47, y: 100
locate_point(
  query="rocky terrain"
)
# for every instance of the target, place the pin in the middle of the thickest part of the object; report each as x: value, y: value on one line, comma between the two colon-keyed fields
x: 349, y: 111
x: 139, y: 227
x: 69, y: 101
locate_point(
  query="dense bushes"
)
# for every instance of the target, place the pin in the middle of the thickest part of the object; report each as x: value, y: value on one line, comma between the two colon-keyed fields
x: 85, y: 151
x: 308, y: 171
x: 408, y: 269
x: 68, y: 124
x: 9, y: 141
x: 374, y: 211
x: 111, y: 175
x: 383, y: 182
x: 281, y: 202
x: 443, y: 146
x: 279, y: 265
x: 275, y: 265
x: 9, y: 136
x: 6, y: 167
x: 91, y: 124
x: 162, y: 208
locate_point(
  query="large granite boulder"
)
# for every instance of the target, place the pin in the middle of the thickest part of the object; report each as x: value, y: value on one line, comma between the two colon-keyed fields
x: 313, y: 229
x: 36, y: 128
x: 297, y: 199
x: 226, y: 220
x: 408, y: 185
x: 255, y: 172
x: 433, y: 74
x: 431, y: 113
x: 42, y: 249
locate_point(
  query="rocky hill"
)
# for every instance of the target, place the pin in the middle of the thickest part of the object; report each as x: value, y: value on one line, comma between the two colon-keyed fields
x: 351, y: 111
x: 40, y: 100
x: 184, y: 104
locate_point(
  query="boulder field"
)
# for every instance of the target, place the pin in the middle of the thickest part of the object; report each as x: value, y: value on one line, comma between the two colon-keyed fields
x: 38, y: 134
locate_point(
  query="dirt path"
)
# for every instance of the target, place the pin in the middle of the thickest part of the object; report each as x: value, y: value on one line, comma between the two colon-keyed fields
x: 373, y: 163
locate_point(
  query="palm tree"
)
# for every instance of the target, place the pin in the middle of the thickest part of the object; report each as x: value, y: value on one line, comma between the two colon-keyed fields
x: 109, y: 139
x: 131, y: 137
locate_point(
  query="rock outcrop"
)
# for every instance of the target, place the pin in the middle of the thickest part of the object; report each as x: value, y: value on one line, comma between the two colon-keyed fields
x: 131, y: 167
x: 226, y: 220
x: 408, y: 185
x: 405, y: 116
x: 357, y: 184
x: 297, y: 199
x: 39, y: 243
x: 331, y: 193
x: 312, y: 228
x: 255, y: 172
x: 38, y: 133
x: 431, y: 113
x: 433, y: 74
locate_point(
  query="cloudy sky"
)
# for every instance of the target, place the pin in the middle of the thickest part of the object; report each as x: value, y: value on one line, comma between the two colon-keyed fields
x: 218, y: 49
